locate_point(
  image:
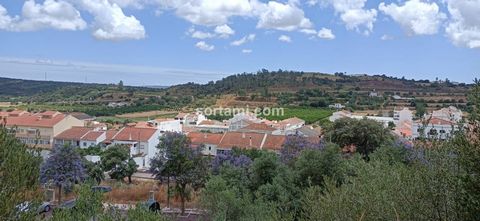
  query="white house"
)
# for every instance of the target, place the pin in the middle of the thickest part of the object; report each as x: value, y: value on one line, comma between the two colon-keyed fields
x: 92, y: 138
x: 336, y: 106
x: 342, y: 114
x: 142, y: 143
x: 165, y: 124
x: 434, y: 128
x: 448, y: 113
x: 404, y: 115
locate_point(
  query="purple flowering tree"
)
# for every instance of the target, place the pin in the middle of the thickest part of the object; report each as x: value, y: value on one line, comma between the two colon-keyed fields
x: 63, y: 168
x: 294, y: 144
x: 229, y: 158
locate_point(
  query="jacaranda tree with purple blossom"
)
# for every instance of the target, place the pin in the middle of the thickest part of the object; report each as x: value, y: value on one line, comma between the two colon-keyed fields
x: 63, y: 168
x: 294, y: 144
x: 230, y: 159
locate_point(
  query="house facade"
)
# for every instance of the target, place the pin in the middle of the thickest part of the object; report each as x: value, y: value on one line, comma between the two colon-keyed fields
x: 142, y: 143
x: 39, y: 129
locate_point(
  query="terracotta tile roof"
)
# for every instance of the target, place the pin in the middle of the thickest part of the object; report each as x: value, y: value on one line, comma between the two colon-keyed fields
x: 74, y: 133
x: 135, y: 134
x: 274, y: 142
x: 438, y: 121
x: 92, y: 135
x: 198, y: 138
x: 242, y: 140
x: 46, y: 119
x: 259, y: 126
x: 110, y: 134
x: 16, y: 113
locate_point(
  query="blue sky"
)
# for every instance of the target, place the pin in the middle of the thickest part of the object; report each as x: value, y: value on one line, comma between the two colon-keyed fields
x: 165, y: 42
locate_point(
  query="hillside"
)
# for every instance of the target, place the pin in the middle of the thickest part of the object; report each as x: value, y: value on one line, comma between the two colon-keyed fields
x: 264, y: 88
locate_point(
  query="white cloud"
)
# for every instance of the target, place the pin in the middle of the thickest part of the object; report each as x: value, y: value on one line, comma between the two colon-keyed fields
x: 386, y: 37
x: 463, y: 28
x: 243, y: 40
x: 110, y: 23
x: 415, y: 17
x: 285, y: 17
x: 5, y: 19
x: 202, y: 35
x: 204, y: 46
x: 208, y: 12
x: 326, y: 33
x: 353, y: 14
x: 53, y: 14
x: 285, y: 38
x: 224, y: 31
x: 247, y: 51
x: 308, y: 31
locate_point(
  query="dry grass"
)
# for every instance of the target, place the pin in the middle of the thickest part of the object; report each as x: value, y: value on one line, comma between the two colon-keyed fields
x: 139, y: 191
x: 146, y: 114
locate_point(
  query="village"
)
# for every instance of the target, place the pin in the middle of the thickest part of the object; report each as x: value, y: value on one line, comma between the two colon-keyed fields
x: 49, y: 129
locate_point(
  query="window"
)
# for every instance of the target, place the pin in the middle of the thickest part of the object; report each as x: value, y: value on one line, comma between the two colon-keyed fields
x: 209, y: 148
x: 433, y: 132
x: 84, y: 144
x: 442, y: 131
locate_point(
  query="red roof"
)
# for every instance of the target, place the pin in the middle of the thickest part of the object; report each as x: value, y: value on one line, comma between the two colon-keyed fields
x: 92, y: 135
x: 274, y: 142
x: 135, y: 134
x: 46, y: 119
x: 242, y: 140
x: 259, y: 126
x: 439, y: 121
x: 110, y: 134
x: 198, y: 138
x: 74, y: 133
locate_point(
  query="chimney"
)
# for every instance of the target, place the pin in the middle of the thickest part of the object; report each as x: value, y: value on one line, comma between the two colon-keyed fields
x: 250, y: 140
x: 243, y: 134
x: 205, y: 135
x: 130, y: 137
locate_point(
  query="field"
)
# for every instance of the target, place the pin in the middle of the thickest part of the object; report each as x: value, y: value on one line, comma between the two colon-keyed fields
x: 310, y: 115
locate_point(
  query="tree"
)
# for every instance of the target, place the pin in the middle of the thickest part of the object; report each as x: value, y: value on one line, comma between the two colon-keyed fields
x: 19, y: 171
x: 94, y: 171
x: 294, y: 144
x: 365, y: 134
x: 63, y: 168
x: 131, y: 169
x: 314, y: 166
x: 117, y: 162
x: 176, y: 158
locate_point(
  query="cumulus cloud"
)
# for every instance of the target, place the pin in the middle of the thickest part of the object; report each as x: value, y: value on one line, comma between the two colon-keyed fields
x: 463, y: 29
x: 202, y: 35
x: 326, y: 33
x: 5, y: 19
x: 53, y: 14
x: 208, y: 12
x: 247, y: 51
x: 224, y: 31
x: 415, y: 17
x: 353, y: 14
x: 243, y: 40
x: 284, y: 17
x: 204, y: 46
x: 110, y: 23
x: 308, y: 31
x: 285, y: 38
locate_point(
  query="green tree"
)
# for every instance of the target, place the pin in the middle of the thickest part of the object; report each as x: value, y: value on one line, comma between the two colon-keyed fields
x: 116, y: 162
x: 179, y: 160
x: 313, y: 166
x: 19, y: 172
x: 365, y: 134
